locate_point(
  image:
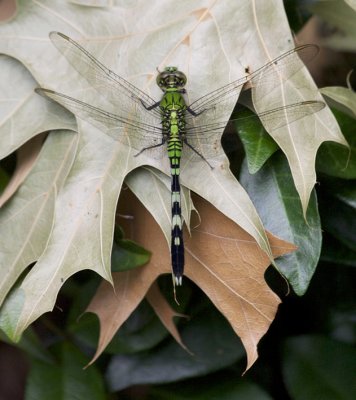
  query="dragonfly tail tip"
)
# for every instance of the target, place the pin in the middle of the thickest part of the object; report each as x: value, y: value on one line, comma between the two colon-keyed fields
x: 178, y: 280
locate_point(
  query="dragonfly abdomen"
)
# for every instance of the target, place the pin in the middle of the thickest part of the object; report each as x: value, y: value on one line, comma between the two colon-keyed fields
x: 177, y: 245
x: 173, y: 123
x: 174, y: 147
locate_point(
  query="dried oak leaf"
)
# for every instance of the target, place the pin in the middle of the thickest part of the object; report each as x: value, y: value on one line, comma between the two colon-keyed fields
x: 221, y: 258
x: 26, y: 157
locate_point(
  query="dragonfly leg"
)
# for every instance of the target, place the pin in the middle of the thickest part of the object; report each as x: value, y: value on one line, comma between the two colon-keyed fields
x: 185, y: 141
x: 151, y: 147
x: 155, y: 105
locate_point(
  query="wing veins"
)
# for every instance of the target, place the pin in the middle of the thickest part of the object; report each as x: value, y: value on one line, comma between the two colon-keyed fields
x: 274, y: 66
x: 98, y: 72
x: 82, y: 109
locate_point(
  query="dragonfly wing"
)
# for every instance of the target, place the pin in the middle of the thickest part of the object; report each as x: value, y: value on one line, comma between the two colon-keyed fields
x: 206, y: 138
x: 273, y: 73
x: 282, y: 116
x: 218, y: 97
x: 117, y: 90
x: 134, y: 131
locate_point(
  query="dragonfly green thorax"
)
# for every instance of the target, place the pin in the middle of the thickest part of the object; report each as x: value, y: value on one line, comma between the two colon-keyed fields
x: 171, y: 79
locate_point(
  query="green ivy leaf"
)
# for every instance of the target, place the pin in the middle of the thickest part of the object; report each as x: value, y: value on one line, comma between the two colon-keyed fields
x: 258, y: 144
x: 274, y: 195
x: 126, y: 255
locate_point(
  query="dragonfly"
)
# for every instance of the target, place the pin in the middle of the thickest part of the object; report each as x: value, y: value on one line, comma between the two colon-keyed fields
x: 180, y: 129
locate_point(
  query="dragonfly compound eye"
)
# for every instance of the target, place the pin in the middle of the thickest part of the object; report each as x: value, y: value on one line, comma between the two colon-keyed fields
x: 171, y: 78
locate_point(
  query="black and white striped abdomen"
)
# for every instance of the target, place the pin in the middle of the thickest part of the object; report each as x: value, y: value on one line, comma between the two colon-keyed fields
x: 177, y: 245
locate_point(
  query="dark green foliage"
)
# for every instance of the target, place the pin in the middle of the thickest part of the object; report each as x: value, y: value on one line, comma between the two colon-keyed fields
x: 126, y: 255
x: 336, y: 160
x: 65, y: 378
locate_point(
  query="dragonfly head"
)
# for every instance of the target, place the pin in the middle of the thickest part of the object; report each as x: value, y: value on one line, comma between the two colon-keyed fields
x: 171, y: 78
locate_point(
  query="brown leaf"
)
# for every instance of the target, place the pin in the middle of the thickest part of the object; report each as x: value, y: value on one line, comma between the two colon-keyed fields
x: 221, y: 258
x: 26, y: 157
x: 165, y: 312
x: 229, y: 266
x: 113, y: 307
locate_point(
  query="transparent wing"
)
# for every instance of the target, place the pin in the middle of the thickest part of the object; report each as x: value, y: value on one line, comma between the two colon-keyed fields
x: 140, y: 128
x: 133, y: 131
x: 206, y: 138
x: 119, y: 92
x: 276, y: 71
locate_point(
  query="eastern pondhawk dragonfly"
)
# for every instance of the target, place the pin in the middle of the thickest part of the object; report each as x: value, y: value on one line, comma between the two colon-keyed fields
x: 146, y: 125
